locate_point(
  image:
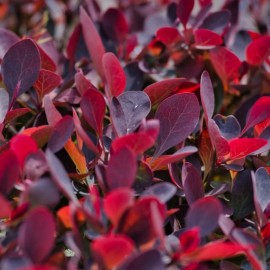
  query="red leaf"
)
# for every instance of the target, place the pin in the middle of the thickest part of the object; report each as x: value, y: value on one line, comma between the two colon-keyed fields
x: 8, y: 176
x: 207, y: 96
x: 259, y: 112
x: 93, y: 41
x: 178, y: 116
x: 205, y: 2
x: 14, y: 114
x: 115, y: 24
x: 21, y: 64
x: 114, y: 74
x: 184, y: 10
x: 258, y: 50
x: 168, y: 35
x: 46, y: 82
x: 22, y: 146
x: 93, y: 107
x: 122, y: 168
x: 240, y: 148
x: 226, y: 64
x: 52, y: 114
x: 38, y: 227
x: 46, y: 61
x: 117, y: 202
x: 190, y: 240
x: 163, y: 161
x: 111, y: 250
x: 138, y: 142
x: 82, y: 83
x: 206, y: 39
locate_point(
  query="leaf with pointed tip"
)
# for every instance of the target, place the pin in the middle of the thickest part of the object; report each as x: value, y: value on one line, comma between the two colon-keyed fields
x: 163, y: 191
x: 259, y: 112
x: 240, y: 148
x: 39, y: 225
x: 14, y: 114
x: 206, y: 39
x: 4, y: 99
x: 114, y: 74
x: 204, y: 213
x: 168, y: 35
x: 60, y: 176
x: 82, y: 83
x: 207, y: 96
x: 192, y: 183
x: 46, y: 61
x: 184, y: 9
x: 122, y: 168
x: 226, y: 64
x: 46, y: 82
x: 93, y: 41
x: 163, y: 161
x: 135, y: 105
x: 7, y: 39
x: 178, y: 116
x: 258, y: 50
x: 93, y: 107
x: 40, y: 134
x: 21, y: 63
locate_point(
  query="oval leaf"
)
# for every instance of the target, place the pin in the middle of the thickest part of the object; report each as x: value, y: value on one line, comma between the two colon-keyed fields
x: 206, y: 39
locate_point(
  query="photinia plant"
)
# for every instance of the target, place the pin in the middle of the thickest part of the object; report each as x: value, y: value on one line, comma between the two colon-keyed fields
x: 134, y: 136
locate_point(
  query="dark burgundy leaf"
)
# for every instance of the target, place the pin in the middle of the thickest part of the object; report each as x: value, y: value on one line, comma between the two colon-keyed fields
x: 46, y: 61
x: 38, y: 227
x: 207, y: 95
x: 206, y: 39
x: 228, y: 126
x: 93, y: 41
x: 115, y: 24
x: 21, y: 64
x: 114, y: 74
x: 14, y: 114
x: 242, y: 195
x: 184, y: 10
x: 134, y: 77
x: 61, y: 133
x: 147, y: 260
x: 93, y: 107
x: 258, y: 50
x: 8, y: 177
x: 122, y: 168
x: 4, y: 104
x: 204, y: 213
x: 136, y: 106
x: 82, y: 83
x: 217, y: 21
x: 192, y: 183
x: 163, y: 191
x: 59, y: 175
x: 178, y: 116
x: 46, y: 82
x: 7, y: 39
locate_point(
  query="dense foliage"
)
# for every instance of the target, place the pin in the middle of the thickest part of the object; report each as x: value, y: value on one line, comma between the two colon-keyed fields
x: 134, y: 137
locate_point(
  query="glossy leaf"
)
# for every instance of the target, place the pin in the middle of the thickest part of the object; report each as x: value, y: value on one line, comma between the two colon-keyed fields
x: 184, y: 10
x: 4, y: 104
x: 192, y: 183
x: 93, y: 41
x: 114, y: 74
x: 21, y: 64
x: 258, y: 50
x: 206, y: 39
x: 93, y: 107
x: 38, y: 220
x: 204, y: 213
x: 178, y: 116
x: 46, y: 82
x: 121, y: 169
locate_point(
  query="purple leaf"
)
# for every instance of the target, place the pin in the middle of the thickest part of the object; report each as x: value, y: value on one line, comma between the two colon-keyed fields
x: 136, y: 106
x: 184, y: 10
x: 163, y: 191
x: 192, y: 183
x: 118, y: 117
x: 122, y: 168
x: 60, y: 177
x: 21, y: 63
x: 38, y: 227
x: 62, y: 131
x: 178, y: 116
x: 207, y: 95
x: 7, y: 39
x: 204, y: 213
x: 4, y: 103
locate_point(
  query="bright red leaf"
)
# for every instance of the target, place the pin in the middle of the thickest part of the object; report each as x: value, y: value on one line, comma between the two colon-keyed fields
x: 184, y: 10
x: 168, y: 35
x: 206, y: 39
